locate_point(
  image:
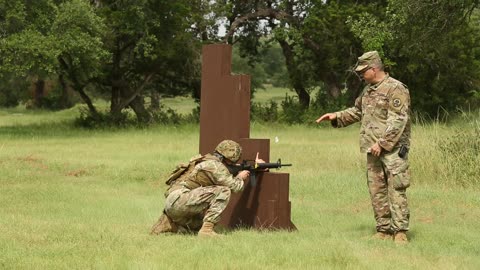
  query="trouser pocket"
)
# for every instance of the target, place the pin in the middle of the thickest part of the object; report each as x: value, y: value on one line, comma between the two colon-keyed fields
x: 398, y: 170
x: 401, y: 180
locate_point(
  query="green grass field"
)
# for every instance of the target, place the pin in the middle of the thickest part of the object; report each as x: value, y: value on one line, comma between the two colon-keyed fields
x: 85, y: 199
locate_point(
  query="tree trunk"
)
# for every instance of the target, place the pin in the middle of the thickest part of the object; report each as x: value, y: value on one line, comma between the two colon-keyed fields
x: 355, y: 87
x: 138, y: 106
x: 296, y: 80
x: 266, y: 13
x: 88, y: 101
x: 65, y: 101
x: 154, y: 100
x: 115, y: 108
x: 116, y: 83
x: 77, y: 86
x: 39, y: 93
x: 269, y: 13
x: 333, y: 86
x: 123, y: 96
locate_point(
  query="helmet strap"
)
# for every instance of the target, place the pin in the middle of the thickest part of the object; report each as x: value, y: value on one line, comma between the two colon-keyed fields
x: 219, y: 156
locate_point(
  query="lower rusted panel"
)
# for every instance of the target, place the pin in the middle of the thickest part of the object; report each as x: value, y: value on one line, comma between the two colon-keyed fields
x: 265, y: 206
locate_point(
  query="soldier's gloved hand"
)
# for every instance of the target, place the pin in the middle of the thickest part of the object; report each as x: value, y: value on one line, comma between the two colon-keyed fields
x: 244, y: 175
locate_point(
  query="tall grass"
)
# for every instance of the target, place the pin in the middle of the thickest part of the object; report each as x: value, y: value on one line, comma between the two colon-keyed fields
x: 448, y: 153
x: 85, y: 199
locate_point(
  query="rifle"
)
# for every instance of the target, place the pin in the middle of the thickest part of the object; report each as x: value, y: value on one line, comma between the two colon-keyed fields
x: 253, y: 168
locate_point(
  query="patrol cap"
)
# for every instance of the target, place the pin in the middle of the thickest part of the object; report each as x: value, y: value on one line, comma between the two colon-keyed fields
x: 368, y: 59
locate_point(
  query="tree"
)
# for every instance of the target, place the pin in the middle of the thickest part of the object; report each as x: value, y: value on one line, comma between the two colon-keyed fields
x: 43, y: 39
x: 77, y: 31
x: 152, y: 48
x: 316, y: 42
x: 119, y: 49
x: 431, y: 47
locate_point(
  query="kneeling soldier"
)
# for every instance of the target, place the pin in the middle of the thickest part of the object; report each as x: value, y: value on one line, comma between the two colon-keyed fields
x: 200, y: 191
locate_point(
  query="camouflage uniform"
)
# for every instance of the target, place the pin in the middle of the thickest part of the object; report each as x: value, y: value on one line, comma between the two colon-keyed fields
x: 383, y: 109
x: 203, y: 195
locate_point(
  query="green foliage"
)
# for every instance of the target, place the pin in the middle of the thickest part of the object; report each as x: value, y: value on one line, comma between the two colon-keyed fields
x: 153, y: 49
x: 49, y: 39
x: 8, y: 98
x: 167, y: 116
x: 433, y: 46
x: 170, y: 116
x: 291, y: 112
x: 102, y: 120
x: 460, y: 151
x: 264, y: 112
x: 267, y: 68
x: 28, y: 53
x: 12, y: 90
x: 56, y: 99
x: 119, y: 48
x: 78, y: 33
x: 241, y: 65
x: 322, y: 102
x: 123, y: 49
x: 373, y: 33
x: 273, y: 62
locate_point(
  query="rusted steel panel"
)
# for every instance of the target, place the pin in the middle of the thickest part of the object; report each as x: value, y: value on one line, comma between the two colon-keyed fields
x: 225, y: 99
x: 264, y: 206
x: 225, y: 114
x: 250, y: 147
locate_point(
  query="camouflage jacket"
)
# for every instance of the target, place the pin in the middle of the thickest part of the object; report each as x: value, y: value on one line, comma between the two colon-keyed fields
x: 212, y: 172
x: 384, y: 110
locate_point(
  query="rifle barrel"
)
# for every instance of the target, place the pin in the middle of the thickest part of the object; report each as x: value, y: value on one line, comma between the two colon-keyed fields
x: 272, y: 165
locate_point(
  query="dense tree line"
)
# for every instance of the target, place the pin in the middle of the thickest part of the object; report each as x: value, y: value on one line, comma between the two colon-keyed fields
x: 130, y: 52
x: 119, y: 50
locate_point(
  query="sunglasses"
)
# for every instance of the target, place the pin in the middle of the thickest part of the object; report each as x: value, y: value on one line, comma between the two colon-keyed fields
x: 361, y: 72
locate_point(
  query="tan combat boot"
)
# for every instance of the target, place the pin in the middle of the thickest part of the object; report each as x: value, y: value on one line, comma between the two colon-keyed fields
x: 382, y: 236
x: 400, y: 238
x: 207, y: 230
x: 163, y: 225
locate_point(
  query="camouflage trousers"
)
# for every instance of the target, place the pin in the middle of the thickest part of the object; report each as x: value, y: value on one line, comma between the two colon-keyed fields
x: 388, y: 178
x: 190, y: 208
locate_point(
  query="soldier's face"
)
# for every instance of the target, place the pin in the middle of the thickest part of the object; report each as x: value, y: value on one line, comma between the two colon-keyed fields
x: 368, y: 74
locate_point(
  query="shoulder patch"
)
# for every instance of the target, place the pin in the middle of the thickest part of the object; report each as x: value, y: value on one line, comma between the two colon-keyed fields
x: 398, y: 101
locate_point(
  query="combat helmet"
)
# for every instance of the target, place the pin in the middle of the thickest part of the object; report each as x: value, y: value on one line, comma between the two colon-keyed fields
x: 229, y: 149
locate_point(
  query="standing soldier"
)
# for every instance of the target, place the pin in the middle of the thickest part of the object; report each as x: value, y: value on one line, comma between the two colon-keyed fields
x: 383, y: 109
x: 200, y: 191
